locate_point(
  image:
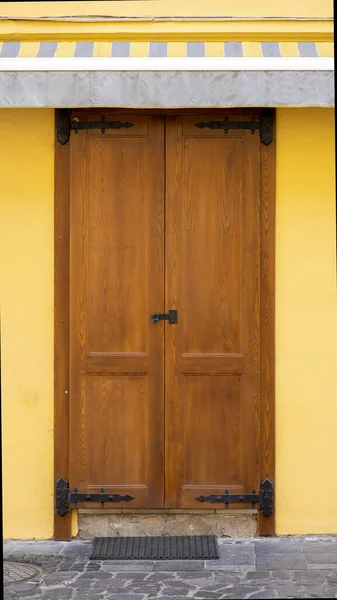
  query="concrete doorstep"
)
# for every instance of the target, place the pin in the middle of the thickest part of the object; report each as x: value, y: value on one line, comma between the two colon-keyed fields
x: 290, y: 567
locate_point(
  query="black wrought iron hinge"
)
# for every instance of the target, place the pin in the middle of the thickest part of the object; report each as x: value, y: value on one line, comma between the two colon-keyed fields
x: 65, y: 498
x: 265, y: 498
x: 264, y: 125
x: 65, y: 124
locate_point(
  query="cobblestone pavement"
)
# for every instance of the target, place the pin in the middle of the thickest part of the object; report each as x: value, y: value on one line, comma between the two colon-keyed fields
x: 297, y: 567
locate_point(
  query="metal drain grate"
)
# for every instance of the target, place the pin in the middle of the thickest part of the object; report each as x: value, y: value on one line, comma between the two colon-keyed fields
x: 16, y: 572
x: 203, y: 547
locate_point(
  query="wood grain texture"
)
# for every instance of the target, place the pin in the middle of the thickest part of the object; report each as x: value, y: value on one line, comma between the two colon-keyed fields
x: 117, y: 281
x: 62, y: 525
x: 212, y: 442
x: 213, y: 279
x: 251, y: 281
x: 212, y: 364
x: 174, y: 465
x: 267, y: 412
x: 112, y: 363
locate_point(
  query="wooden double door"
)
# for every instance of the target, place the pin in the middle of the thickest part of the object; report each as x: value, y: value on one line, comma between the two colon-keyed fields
x: 164, y: 215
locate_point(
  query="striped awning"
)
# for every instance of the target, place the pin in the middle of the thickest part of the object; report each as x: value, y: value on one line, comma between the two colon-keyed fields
x: 166, y: 49
x: 166, y: 74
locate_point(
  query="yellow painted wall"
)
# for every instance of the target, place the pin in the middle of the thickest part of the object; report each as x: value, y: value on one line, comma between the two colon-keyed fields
x: 26, y: 302
x: 164, y: 8
x: 203, y: 20
x: 306, y: 322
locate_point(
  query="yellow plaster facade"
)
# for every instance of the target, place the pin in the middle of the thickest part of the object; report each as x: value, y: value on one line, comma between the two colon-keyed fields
x: 168, y: 20
x: 313, y: 9
x: 26, y: 303
x: 306, y: 321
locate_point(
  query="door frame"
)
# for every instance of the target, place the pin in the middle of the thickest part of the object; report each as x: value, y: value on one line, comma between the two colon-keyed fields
x: 63, y: 525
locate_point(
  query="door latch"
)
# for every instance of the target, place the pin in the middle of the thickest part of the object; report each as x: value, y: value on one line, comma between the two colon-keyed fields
x: 171, y: 317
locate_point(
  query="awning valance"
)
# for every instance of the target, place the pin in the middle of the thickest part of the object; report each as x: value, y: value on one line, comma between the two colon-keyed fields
x: 166, y: 49
x: 166, y: 74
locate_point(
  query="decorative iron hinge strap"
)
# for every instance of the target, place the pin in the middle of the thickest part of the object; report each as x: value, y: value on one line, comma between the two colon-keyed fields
x: 76, y: 125
x: 65, y: 124
x: 265, y: 498
x: 264, y: 125
x: 65, y: 498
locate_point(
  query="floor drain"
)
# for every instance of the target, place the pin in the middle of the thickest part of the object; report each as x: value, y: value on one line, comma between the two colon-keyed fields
x: 15, y: 572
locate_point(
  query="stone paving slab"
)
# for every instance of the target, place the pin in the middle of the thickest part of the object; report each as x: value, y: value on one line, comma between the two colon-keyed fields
x: 298, y: 567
